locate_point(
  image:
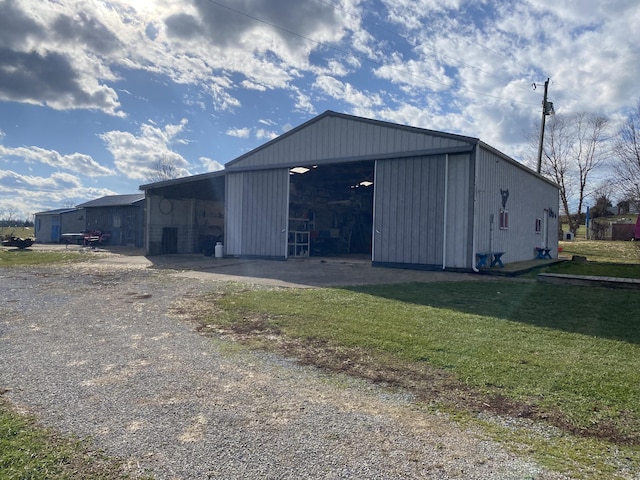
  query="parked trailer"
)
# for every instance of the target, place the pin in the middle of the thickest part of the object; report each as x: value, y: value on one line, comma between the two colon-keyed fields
x: 88, y: 239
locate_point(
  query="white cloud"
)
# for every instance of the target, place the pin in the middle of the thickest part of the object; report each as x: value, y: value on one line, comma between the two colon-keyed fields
x: 55, y: 52
x: 303, y: 102
x: 253, y: 86
x: 412, y: 13
x: 137, y: 156
x: 239, y: 132
x: 24, y: 195
x: 421, y: 74
x: 262, y: 134
x: 211, y: 165
x: 464, y: 66
x: 347, y: 93
x: 11, y: 180
x: 75, y: 162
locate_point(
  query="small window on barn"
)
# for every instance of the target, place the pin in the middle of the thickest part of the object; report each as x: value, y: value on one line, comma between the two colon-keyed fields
x: 538, y: 225
x: 504, y: 219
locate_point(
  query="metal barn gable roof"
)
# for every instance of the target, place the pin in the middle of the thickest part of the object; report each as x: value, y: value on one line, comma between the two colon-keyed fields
x: 334, y: 137
x: 114, y: 201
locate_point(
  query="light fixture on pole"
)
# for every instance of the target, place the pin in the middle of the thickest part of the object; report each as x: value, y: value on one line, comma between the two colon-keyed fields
x: 547, y: 109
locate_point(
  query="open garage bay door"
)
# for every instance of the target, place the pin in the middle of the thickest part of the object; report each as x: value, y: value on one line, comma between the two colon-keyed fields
x: 331, y: 210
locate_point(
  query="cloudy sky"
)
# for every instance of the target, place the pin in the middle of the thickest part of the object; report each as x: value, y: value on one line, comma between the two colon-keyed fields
x: 94, y: 93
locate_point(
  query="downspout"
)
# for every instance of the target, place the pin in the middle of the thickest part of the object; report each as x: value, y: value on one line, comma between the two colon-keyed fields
x: 475, y: 206
x: 446, y: 202
x: 285, y: 229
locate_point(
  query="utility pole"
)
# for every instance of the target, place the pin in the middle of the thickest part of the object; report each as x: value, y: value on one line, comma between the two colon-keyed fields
x: 547, y: 109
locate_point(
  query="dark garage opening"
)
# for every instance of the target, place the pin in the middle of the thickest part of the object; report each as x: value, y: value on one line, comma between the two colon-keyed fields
x: 331, y: 210
x: 169, y: 240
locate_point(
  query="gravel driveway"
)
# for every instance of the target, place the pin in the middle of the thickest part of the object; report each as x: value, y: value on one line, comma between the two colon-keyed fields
x: 93, y: 350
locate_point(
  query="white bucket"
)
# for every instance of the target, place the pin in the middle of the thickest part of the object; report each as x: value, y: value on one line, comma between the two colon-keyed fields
x: 219, y: 250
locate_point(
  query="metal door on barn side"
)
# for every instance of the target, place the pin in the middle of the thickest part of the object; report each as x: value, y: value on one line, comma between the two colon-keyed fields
x: 409, y: 211
x: 56, y: 231
x: 256, y: 213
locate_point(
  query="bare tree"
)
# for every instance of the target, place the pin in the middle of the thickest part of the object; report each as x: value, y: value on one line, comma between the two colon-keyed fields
x: 165, y: 168
x: 627, y: 151
x: 8, y: 218
x: 574, y: 146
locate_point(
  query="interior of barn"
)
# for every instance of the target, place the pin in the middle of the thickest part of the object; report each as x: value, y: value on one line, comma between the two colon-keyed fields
x: 331, y: 210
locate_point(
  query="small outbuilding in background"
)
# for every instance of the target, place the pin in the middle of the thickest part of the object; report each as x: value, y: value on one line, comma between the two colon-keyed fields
x: 119, y: 216
x: 50, y: 225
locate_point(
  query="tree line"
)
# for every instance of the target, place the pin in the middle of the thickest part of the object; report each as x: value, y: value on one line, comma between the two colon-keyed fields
x: 590, y: 159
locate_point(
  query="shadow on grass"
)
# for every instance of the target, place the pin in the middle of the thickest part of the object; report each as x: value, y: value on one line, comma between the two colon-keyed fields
x: 599, y: 312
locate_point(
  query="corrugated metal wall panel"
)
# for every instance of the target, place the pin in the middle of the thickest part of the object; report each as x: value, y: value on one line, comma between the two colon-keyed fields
x: 234, y: 194
x: 43, y: 229
x: 529, y: 198
x: 458, y: 243
x: 256, y: 213
x: 340, y: 138
x: 409, y: 209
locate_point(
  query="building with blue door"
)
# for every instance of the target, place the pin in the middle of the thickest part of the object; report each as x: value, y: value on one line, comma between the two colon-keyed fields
x: 50, y: 225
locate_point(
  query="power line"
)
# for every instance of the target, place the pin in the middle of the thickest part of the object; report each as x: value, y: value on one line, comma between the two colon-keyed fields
x: 520, y: 65
x: 360, y: 57
x: 435, y: 50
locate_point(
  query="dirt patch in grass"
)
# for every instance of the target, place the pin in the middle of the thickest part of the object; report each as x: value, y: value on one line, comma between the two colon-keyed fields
x: 430, y: 385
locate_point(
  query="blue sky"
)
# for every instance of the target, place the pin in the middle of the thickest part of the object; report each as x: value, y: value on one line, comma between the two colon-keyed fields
x: 94, y: 93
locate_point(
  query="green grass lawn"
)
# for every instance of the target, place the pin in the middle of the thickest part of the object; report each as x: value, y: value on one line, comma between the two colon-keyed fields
x: 30, y: 452
x: 20, y: 232
x: 600, y: 269
x: 570, y: 355
x: 603, y: 251
x: 604, y: 259
x: 12, y: 257
x: 565, y: 356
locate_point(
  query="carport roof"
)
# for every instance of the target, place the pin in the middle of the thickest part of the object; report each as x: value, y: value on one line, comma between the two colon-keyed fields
x: 114, y: 201
x: 204, y: 186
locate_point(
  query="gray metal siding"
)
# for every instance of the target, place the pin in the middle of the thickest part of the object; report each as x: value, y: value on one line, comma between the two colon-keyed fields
x: 257, y: 211
x: 234, y: 194
x: 409, y: 210
x: 458, y: 241
x: 530, y: 197
x: 44, y: 229
x: 343, y: 138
